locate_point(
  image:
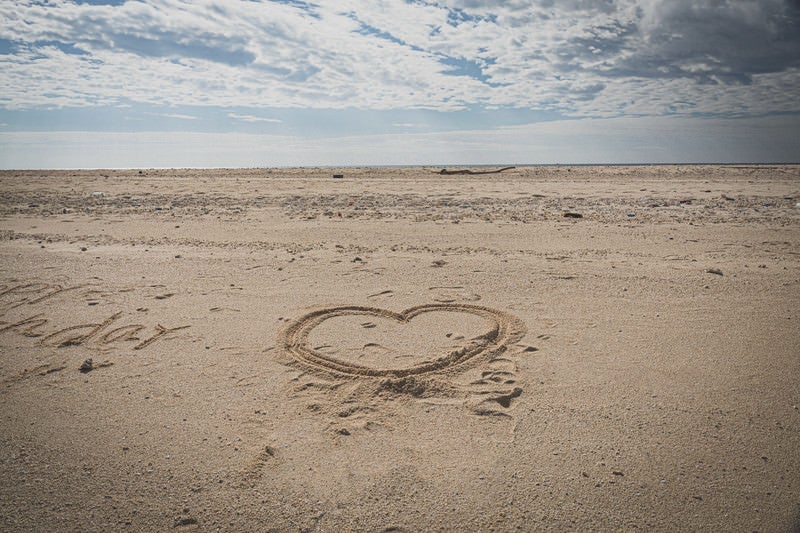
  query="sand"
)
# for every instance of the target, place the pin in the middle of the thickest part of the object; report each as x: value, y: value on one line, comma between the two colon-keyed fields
x: 397, y: 350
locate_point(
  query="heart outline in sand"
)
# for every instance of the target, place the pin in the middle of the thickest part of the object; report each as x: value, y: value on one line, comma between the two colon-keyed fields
x: 505, y: 330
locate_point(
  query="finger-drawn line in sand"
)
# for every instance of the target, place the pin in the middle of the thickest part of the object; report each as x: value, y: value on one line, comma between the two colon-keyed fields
x: 82, y: 334
x: 505, y: 329
x: 384, y: 294
x: 31, y: 293
x: 19, y: 293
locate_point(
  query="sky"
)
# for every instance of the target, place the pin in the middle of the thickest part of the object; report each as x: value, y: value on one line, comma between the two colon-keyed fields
x: 262, y: 83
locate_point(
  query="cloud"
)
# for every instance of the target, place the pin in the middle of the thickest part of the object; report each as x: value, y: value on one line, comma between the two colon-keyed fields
x: 179, y: 116
x: 719, y: 41
x: 253, y: 118
x: 574, y: 57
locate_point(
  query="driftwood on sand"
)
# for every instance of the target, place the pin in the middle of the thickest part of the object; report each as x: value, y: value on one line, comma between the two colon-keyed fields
x: 445, y: 171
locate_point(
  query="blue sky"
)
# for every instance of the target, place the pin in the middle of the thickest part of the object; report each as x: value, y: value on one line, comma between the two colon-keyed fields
x: 169, y: 83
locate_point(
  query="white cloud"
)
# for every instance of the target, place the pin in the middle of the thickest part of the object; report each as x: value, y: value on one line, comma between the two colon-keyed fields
x: 575, y: 57
x: 178, y: 116
x: 253, y: 118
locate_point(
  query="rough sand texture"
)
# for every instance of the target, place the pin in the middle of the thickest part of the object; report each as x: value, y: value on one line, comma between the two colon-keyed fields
x: 399, y: 350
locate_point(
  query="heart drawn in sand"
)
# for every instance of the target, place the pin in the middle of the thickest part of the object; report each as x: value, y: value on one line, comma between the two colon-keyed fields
x: 503, y: 330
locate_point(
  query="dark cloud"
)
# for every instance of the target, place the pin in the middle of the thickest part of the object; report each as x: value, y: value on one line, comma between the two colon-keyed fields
x: 601, y: 43
x: 707, y: 41
x: 714, y: 40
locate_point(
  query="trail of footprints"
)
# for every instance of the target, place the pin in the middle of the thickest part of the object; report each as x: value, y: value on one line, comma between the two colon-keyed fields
x: 498, y: 385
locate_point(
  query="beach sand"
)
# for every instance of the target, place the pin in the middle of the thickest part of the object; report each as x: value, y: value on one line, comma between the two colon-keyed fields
x: 398, y: 350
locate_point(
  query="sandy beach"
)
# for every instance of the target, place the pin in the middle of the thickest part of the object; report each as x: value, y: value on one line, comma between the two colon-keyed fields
x: 546, y: 348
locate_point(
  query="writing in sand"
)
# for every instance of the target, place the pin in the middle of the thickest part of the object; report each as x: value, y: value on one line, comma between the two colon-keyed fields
x: 36, y: 297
